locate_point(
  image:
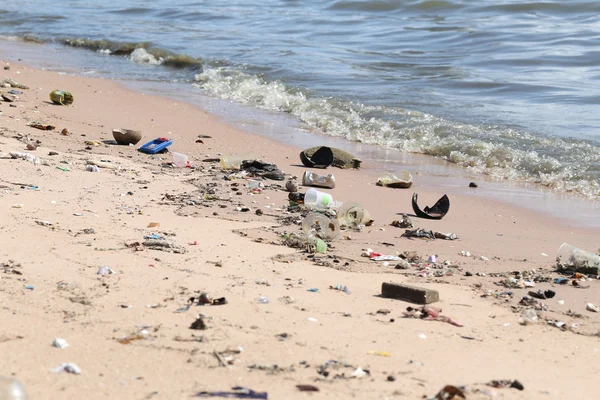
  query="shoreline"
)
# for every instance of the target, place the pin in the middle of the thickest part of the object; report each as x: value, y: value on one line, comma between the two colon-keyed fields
x: 239, y: 255
x: 573, y: 209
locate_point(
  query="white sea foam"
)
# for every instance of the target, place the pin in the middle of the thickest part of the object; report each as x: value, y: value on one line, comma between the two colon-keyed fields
x: 501, y: 152
x: 141, y: 56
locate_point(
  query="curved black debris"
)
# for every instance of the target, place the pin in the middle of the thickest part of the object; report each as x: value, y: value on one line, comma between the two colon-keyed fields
x: 322, y: 158
x: 439, y: 209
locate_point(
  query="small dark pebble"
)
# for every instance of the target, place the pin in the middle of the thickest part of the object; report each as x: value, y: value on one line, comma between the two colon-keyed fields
x: 473, y: 185
x: 52, y: 153
x: 549, y: 294
x: 198, y: 324
x: 307, y: 388
x: 468, y: 273
x: 517, y: 385
x: 259, y: 212
x: 391, y: 378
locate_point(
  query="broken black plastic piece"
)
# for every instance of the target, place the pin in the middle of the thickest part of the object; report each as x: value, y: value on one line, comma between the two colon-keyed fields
x: 321, y: 158
x: 439, y: 209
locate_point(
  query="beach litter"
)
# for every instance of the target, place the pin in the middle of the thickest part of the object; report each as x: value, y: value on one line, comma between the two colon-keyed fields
x: 352, y: 215
x: 506, y: 383
x: 61, y: 97
x: 307, y: 388
x: 323, y: 156
x: 438, y: 211
x: 340, y: 370
x: 409, y: 293
x: 341, y: 288
x: 428, y: 234
x: 127, y: 136
x: 60, y: 343
x: 291, y: 185
x: 592, y: 307
x: 323, y: 181
x: 529, y: 317
x: 401, y: 179
x: 69, y: 367
x: 238, y: 392
x: 12, y: 389
x: 258, y: 168
x: 103, y: 164
x: 403, y: 222
x: 40, y: 126
x: 198, y: 324
x: 320, y: 226
x: 9, y: 82
x: 429, y: 313
x: 449, y: 392
x: 163, y: 245
x: 35, y: 160
x: 572, y: 258
x: 205, y: 299
x: 9, y: 98
x: 105, y: 271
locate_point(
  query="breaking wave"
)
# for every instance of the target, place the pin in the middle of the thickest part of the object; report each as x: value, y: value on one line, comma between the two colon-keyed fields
x: 563, y: 164
x: 141, y: 53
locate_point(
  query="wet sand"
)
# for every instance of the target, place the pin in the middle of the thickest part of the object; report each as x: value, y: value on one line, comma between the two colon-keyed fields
x: 130, y: 333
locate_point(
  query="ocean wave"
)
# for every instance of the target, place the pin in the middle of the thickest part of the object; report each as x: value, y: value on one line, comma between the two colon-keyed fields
x: 145, y: 53
x: 498, y: 151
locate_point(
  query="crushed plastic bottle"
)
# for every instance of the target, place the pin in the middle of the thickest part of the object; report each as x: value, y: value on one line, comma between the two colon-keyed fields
x: 255, y: 187
x: 398, y: 179
x: 529, y: 317
x: 11, y: 389
x: 311, y: 179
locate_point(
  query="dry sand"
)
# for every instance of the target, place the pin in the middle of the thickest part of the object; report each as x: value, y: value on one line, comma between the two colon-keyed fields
x: 75, y: 222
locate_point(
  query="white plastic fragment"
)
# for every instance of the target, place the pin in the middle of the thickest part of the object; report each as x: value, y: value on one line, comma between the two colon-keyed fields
x: 60, y: 343
x: 592, y: 307
x: 69, y: 367
x: 359, y: 373
x: 105, y: 271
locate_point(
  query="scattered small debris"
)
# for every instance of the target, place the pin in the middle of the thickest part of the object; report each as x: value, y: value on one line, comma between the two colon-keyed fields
x: 69, y: 367
x: 60, y: 343
x: 198, y: 324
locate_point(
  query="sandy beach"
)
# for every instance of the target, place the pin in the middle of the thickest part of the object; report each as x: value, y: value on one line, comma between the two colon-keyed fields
x: 129, y: 331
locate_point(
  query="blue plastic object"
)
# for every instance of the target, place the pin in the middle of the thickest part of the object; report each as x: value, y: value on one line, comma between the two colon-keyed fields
x: 156, y: 145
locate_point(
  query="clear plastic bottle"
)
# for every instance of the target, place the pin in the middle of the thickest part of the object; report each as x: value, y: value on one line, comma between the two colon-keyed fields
x: 11, y: 389
x: 529, y: 317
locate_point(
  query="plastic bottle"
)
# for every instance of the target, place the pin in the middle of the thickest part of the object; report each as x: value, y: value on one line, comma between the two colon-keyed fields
x: 263, y: 300
x: 312, y: 179
x: 529, y: 317
x: 583, y: 261
x: 320, y: 245
x: 316, y: 199
x: 11, y: 389
x: 180, y: 160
